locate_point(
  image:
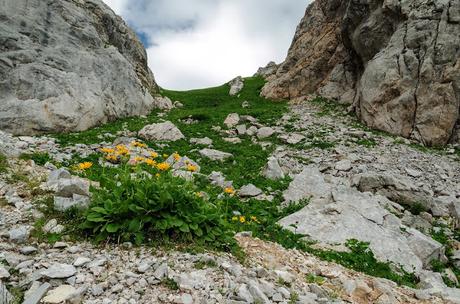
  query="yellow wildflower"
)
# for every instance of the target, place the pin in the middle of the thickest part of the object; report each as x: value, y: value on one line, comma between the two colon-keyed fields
x: 138, y: 144
x: 254, y: 219
x: 163, y: 166
x: 107, y: 150
x: 192, y: 168
x: 235, y: 219
x: 176, y: 156
x: 153, y: 154
x: 150, y: 162
x: 139, y: 159
x: 165, y: 155
x: 111, y: 158
x: 242, y: 219
x: 84, y: 166
x: 229, y: 190
x: 157, y: 175
x: 122, y: 150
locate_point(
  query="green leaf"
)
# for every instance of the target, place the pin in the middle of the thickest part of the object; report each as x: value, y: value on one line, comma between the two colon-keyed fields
x: 184, y: 228
x: 112, y: 228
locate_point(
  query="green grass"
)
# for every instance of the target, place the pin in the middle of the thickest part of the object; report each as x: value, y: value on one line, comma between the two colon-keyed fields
x: 40, y: 158
x: 210, y: 107
x: 3, y: 163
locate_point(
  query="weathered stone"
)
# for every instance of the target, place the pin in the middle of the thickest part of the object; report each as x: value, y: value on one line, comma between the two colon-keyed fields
x: 5, y: 295
x: 68, y: 79
x: 165, y: 131
x: 265, y: 132
x: 232, y: 120
x: 343, y: 165
x: 206, y: 141
x: 218, y: 179
x: 19, y: 235
x: 236, y: 85
x: 309, y: 183
x: 60, y: 294
x: 397, y: 62
x: 215, y: 154
x: 68, y: 187
x: 273, y: 170
x: 267, y: 70
x: 37, y: 294
x: 65, y: 203
x: 59, y: 271
x: 336, y: 214
x: 249, y: 191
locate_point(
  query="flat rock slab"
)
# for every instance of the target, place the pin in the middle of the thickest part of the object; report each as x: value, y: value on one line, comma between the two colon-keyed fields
x: 337, y: 213
x: 59, y: 271
x: 165, y: 131
x: 215, y: 154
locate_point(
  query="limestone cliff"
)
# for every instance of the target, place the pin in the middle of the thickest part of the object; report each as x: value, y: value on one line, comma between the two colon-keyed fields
x: 69, y: 65
x: 397, y: 62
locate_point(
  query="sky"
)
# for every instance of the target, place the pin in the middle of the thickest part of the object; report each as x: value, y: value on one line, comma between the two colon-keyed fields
x: 203, y: 43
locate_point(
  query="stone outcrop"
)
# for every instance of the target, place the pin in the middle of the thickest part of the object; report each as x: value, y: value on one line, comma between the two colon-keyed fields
x: 397, y: 62
x: 69, y: 65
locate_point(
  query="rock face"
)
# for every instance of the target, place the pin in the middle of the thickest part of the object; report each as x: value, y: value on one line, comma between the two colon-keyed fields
x: 69, y: 65
x: 337, y: 213
x: 397, y: 62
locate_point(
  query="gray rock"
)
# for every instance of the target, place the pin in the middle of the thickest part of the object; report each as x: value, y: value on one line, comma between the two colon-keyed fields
x: 36, y: 296
x: 233, y: 140
x: 339, y: 213
x: 309, y: 183
x: 273, y: 170
x: 59, y: 271
x: 268, y: 70
x: 61, y: 294
x: 373, y: 62
x: 5, y: 296
x: 249, y: 191
x: 241, y: 129
x: 65, y: 203
x: 251, y: 131
x: 163, y: 103
x: 70, y: 80
x: 161, y: 272
x: 165, y: 131
x: 243, y: 294
x: 4, y: 274
x: 80, y: 261
x: 232, y: 120
x: 28, y: 250
x: 265, y: 132
x: 257, y: 294
x: 397, y: 188
x: 19, y: 235
x: 69, y: 187
x: 57, y: 175
x: 218, y: 179
x: 206, y: 141
x: 52, y: 226
x: 343, y: 165
x: 236, y: 85
x: 215, y: 154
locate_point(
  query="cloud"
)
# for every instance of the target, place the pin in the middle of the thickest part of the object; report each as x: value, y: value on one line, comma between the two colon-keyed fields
x: 201, y: 43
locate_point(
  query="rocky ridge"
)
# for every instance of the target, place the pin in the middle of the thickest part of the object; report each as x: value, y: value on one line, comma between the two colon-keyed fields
x: 396, y: 62
x: 68, y: 66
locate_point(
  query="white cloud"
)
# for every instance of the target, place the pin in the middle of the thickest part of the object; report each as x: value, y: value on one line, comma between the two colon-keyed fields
x: 200, y: 43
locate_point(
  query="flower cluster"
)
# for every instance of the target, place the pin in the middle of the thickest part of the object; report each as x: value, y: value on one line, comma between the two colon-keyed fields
x: 243, y: 219
x: 83, y: 166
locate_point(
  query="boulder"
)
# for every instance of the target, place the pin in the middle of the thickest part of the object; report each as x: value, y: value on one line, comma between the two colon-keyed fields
x: 5, y: 295
x: 205, y: 141
x: 265, y: 132
x: 232, y: 120
x: 397, y: 62
x: 249, y: 191
x: 267, y: 70
x: 272, y: 169
x: 60, y: 294
x: 236, y: 85
x: 59, y: 271
x: 68, y: 66
x: 337, y: 213
x: 165, y: 131
x: 76, y: 201
x: 215, y: 154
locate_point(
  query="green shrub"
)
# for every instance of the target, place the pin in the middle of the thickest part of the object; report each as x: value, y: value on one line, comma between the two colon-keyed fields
x: 136, y: 205
x: 40, y: 158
